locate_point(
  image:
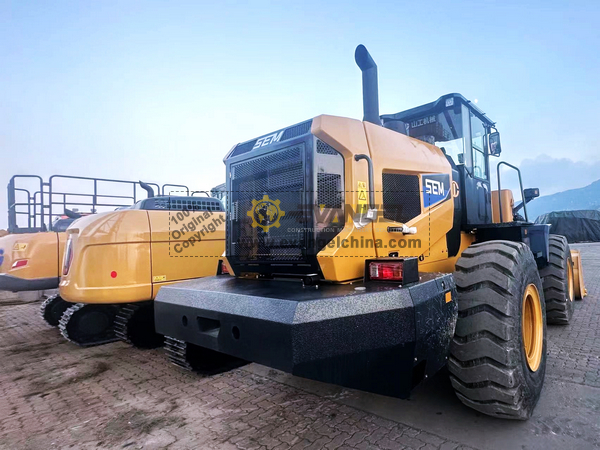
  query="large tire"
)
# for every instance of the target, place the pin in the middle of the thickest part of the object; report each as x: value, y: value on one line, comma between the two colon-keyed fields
x: 499, y: 291
x: 558, y: 281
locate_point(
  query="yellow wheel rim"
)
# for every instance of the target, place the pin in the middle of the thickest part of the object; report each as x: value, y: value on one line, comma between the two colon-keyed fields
x: 571, y: 280
x: 532, y: 327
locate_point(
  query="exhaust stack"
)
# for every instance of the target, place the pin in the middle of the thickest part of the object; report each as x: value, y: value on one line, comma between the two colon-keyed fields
x: 369, y: 81
x: 147, y: 188
x: 72, y: 214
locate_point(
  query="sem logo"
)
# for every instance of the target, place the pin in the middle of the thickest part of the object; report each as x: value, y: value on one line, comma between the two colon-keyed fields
x: 268, y: 140
x: 436, y: 188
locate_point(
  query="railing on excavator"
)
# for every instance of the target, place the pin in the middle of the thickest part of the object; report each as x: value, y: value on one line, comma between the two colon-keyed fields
x: 49, y: 200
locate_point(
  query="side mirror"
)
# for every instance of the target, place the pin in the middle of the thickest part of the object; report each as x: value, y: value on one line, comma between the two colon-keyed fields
x: 494, y: 143
x: 530, y: 194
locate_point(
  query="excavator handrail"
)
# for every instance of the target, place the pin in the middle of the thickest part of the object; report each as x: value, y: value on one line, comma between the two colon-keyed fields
x: 162, y: 190
x: 42, y: 205
x: 13, y: 204
x: 500, y: 188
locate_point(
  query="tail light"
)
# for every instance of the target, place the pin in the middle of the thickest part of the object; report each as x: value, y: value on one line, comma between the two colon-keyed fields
x: 19, y: 263
x: 403, y: 271
x: 68, y: 258
x: 391, y: 271
x: 224, y: 269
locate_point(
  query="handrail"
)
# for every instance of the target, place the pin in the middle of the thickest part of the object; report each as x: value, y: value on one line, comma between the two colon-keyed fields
x: 47, y: 198
x: 187, y: 189
x: 500, y: 188
x: 12, y: 203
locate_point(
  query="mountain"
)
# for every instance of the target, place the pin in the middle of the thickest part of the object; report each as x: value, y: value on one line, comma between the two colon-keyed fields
x: 587, y: 197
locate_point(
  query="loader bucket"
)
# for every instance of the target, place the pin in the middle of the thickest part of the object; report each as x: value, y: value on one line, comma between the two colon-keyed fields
x: 580, y: 290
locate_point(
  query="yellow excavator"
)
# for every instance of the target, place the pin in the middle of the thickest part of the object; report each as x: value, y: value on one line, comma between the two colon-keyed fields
x: 30, y: 261
x: 372, y: 253
x: 38, y: 217
x: 116, y: 262
x: 31, y: 252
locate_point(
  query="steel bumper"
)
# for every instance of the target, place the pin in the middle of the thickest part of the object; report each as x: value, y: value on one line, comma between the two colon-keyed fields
x: 375, y: 337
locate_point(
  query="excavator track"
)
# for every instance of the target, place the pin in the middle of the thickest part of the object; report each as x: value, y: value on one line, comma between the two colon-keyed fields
x: 52, y: 309
x: 199, y: 359
x: 88, y: 325
x: 176, y: 352
x: 134, y: 324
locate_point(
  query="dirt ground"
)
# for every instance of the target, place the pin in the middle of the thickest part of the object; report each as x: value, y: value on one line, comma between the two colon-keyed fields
x: 54, y: 394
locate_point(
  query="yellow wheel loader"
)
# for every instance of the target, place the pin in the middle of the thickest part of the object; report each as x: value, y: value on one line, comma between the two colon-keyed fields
x: 116, y: 262
x: 372, y: 253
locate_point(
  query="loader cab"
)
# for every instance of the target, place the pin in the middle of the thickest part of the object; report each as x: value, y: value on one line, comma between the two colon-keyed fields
x: 463, y: 132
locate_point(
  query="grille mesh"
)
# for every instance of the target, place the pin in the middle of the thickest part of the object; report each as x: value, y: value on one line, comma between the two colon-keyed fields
x: 280, y: 176
x: 401, y: 197
x: 240, y: 149
x: 329, y: 190
x: 178, y: 204
x: 298, y: 130
x: 325, y: 149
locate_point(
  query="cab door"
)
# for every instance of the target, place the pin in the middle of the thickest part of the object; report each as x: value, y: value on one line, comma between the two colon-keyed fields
x: 475, y: 174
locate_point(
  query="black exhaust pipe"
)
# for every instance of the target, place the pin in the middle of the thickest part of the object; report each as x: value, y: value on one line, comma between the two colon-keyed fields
x: 369, y: 82
x: 72, y: 214
x: 147, y: 188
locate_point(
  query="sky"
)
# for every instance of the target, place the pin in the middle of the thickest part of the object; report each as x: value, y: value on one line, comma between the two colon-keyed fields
x: 161, y: 90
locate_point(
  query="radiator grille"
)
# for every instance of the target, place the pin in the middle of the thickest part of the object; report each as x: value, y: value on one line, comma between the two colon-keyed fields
x: 179, y: 204
x: 401, y: 197
x: 280, y: 176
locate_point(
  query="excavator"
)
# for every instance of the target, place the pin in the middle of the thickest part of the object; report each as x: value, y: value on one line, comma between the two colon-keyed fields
x: 32, y: 251
x: 116, y: 262
x: 370, y: 254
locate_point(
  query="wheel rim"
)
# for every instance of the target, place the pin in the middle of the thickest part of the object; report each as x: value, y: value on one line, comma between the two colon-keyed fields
x: 532, y: 327
x: 571, y: 280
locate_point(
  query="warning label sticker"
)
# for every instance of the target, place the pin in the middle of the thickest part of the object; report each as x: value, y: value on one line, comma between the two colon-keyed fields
x: 362, y: 197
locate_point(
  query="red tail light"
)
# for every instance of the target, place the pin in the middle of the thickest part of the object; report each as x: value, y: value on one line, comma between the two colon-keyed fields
x: 19, y: 263
x: 396, y: 270
x: 390, y: 271
x: 224, y: 269
x: 68, y: 258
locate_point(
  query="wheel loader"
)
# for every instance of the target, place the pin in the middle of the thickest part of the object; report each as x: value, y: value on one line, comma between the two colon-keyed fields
x: 370, y: 254
x: 116, y: 262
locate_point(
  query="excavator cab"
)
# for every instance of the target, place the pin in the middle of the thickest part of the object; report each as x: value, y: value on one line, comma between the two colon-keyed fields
x: 467, y: 137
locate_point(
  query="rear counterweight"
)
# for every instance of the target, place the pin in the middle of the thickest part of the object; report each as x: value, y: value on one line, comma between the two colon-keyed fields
x: 376, y: 337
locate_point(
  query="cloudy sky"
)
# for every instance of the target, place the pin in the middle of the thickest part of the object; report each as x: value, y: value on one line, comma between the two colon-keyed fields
x: 162, y: 90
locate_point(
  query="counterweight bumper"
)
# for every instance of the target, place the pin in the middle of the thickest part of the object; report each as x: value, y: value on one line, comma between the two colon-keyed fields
x: 16, y: 284
x: 375, y: 337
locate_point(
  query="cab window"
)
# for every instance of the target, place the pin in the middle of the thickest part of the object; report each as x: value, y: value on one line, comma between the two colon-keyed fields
x: 445, y: 130
x: 478, y: 147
